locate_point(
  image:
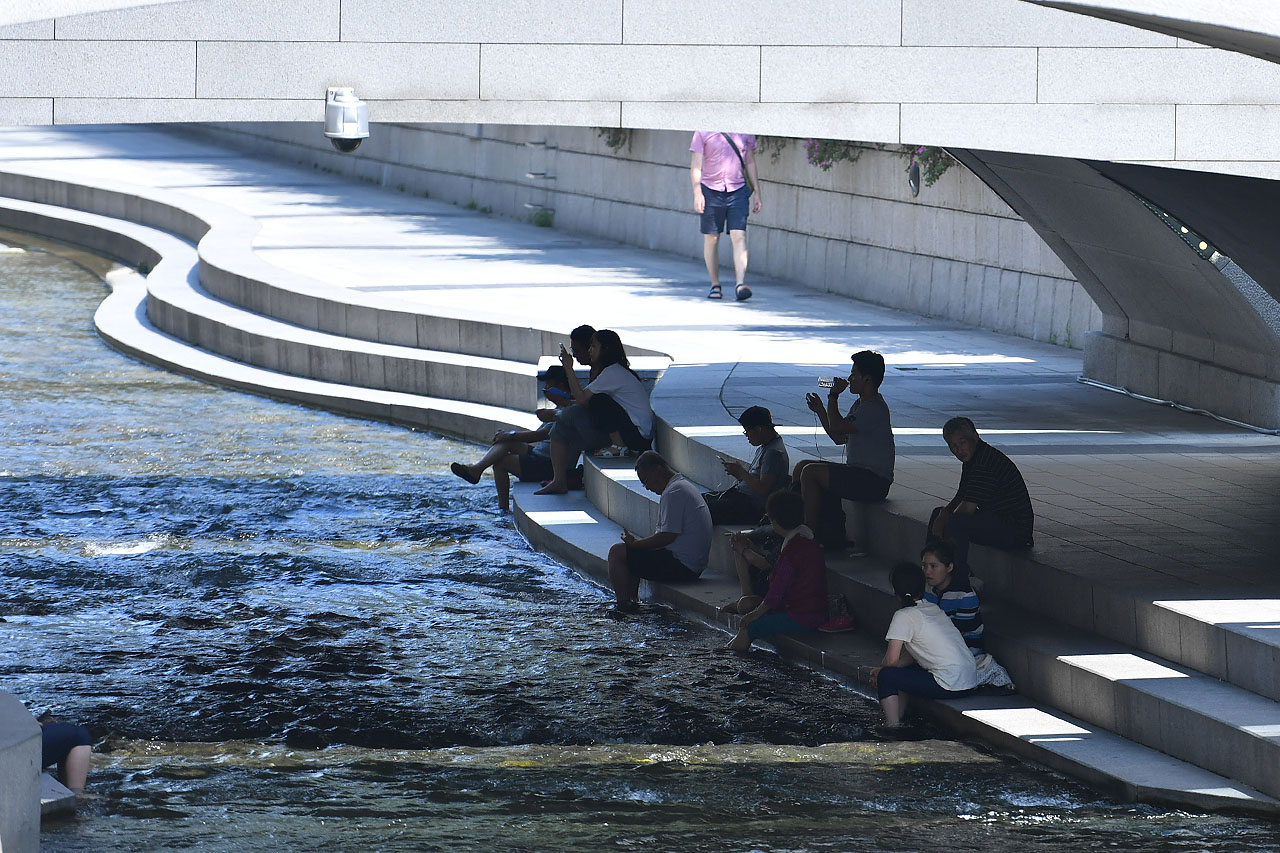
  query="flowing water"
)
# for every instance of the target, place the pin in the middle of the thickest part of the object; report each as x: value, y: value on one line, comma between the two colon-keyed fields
x: 290, y: 630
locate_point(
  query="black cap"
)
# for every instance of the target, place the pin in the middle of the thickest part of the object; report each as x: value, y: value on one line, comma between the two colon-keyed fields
x: 755, y: 416
x: 554, y: 373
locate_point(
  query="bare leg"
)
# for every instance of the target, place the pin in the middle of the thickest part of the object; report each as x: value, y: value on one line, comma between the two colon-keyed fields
x: 495, y: 454
x: 893, y: 708
x: 739, y: 240
x: 502, y: 472
x: 559, y: 484
x: 625, y: 587
x: 746, y: 602
x: 73, y: 771
x: 711, y: 254
x: 741, y: 641
x: 801, y: 465
x: 814, y: 480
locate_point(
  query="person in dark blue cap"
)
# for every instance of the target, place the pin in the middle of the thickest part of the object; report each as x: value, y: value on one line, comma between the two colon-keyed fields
x: 770, y: 470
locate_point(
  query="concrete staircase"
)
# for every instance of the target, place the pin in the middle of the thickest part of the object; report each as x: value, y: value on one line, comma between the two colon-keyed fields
x: 1052, y: 618
x: 580, y: 529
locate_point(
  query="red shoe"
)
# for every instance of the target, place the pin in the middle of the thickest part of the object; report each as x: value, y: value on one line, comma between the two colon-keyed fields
x: 839, y: 625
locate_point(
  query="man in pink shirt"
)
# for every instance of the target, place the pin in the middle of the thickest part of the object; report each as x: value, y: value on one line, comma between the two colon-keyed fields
x: 722, y: 165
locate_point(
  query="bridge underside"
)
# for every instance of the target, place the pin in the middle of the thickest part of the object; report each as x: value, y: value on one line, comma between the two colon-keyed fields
x: 1177, y: 262
x: 1063, y: 114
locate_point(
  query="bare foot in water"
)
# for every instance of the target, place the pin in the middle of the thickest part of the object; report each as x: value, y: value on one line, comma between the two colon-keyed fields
x: 553, y: 488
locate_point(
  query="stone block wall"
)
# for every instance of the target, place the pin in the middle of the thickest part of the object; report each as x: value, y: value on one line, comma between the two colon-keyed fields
x: 956, y: 252
x: 19, y: 777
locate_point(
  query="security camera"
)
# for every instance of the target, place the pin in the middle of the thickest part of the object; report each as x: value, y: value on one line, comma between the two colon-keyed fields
x: 346, y: 119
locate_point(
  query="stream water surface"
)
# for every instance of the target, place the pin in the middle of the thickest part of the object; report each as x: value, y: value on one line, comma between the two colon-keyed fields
x: 289, y: 630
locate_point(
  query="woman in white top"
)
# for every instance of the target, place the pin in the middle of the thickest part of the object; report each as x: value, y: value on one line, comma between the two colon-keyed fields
x: 927, y: 656
x: 612, y: 409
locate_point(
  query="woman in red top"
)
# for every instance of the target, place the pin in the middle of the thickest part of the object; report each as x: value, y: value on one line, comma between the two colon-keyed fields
x: 797, y: 597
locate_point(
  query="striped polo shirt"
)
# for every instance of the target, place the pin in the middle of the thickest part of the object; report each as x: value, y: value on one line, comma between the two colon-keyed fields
x: 993, y: 482
x: 960, y: 602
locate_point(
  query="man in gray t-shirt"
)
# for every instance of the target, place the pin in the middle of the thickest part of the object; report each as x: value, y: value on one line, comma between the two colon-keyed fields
x: 866, y: 433
x: 677, y: 551
x: 769, y: 471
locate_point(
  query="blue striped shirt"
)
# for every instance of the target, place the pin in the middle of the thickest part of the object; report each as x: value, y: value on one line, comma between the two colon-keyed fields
x: 963, y: 608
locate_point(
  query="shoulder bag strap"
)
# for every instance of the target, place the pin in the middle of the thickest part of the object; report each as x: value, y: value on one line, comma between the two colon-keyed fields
x: 734, y: 146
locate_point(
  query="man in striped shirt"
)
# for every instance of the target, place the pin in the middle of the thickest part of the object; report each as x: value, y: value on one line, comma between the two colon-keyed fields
x: 991, y: 507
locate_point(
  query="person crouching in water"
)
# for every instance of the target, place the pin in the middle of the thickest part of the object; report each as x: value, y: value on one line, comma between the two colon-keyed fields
x: 797, y: 598
x: 926, y: 657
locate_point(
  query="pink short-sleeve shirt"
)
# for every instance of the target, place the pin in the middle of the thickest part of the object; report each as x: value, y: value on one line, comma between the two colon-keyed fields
x: 720, y: 167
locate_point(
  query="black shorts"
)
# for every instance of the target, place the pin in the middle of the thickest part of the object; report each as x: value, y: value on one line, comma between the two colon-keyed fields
x: 535, y: 468
x: 733, y: 506
x: 856, y: 484
x: 58, y: 739
x: 725, y: 211
x: 658, y: 564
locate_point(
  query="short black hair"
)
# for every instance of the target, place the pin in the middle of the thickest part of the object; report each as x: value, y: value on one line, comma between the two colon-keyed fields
x: 785, y: 508
x: 649, y: 460
x: 956, y: 425
x: 870, y: 364
x: 582, y: 334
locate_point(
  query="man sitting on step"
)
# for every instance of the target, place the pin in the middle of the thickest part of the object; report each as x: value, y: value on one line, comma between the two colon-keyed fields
x: 866, y: 433
x: 677, y: 551
x: 991, y: 507
x: 770, y: 470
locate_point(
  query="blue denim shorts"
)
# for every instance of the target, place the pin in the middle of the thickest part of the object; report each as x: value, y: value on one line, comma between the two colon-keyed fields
x: 725, y: 211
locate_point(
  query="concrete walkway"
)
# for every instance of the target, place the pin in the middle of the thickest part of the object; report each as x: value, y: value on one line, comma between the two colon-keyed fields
x: 1142, y: 511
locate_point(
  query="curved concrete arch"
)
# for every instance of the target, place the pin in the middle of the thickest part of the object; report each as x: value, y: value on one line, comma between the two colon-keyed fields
x: 27, y: 11
x: 1174, y: 326
x: 1236, y: 214
x: 1251, y: 27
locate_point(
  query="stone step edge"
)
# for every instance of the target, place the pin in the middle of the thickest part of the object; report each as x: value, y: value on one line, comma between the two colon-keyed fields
x: 1143, y: 623
x: 571, y: 529
x: 180, y: 307
x: 1083, y: 675
x: 1082, y: 686
x: 184, y: 310
x: 56, y: 799
x: 233, y: 272
x: 121, y: 321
